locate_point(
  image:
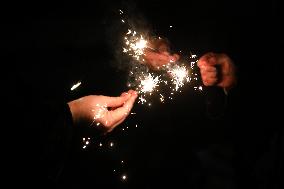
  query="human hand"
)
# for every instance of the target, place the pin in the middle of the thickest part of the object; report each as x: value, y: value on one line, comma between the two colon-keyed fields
x: 107, y: 112
x: 158, y: 54
x: 217, y: 70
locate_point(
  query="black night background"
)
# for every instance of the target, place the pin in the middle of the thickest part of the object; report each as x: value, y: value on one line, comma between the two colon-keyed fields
x: 47, y: 47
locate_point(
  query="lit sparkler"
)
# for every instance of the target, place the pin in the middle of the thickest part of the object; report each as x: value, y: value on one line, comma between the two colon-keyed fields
x: 147, y: 86
x: 180, y: 76
x: 135, y: 45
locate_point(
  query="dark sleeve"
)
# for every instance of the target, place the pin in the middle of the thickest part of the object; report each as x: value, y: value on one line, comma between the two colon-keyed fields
x: 45, y: 141
x: 216, y: 102
x: 57, y: 139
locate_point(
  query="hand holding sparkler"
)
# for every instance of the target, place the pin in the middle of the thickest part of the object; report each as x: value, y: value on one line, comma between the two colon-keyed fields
x: 217, y: 69
x: 103, y: 111
x: 158, y: 55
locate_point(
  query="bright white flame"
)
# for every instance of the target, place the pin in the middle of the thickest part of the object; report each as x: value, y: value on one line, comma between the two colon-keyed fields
x: 179, y: 75
x: 149, y: 83
x: 134, y: 45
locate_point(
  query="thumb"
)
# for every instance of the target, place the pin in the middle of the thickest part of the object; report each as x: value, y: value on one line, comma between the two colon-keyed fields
x: 117, y: 116
x: 124, y: 110
x: 116, y: 101
x: 209, y: 59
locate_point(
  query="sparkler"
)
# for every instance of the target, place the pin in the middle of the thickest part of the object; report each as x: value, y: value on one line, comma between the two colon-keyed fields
x: 135, y: 45
x: 180, y: 76
x: 148, y: 84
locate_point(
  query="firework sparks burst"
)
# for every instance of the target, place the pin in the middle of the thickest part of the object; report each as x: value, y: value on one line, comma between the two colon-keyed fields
x: 180, y: 76
x: 148, y: 84
x: 135, y: 45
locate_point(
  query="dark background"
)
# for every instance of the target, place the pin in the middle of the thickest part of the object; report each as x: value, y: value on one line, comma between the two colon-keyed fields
x: 47, y: 47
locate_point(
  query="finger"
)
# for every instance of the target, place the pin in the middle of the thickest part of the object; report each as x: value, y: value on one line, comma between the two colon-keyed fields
x: 128, y: 92
x: 208, y: 69
x: 116, y: 101
x: 124, y: 94
x: 177, y: 57
x: 208, y: 74
x: 207, y: 59
x: 173, y: 58
x: 156, y: 59
x: 163, y: 59
x: 132, y: 92
x: 120, y: 113
x: 209, y: 81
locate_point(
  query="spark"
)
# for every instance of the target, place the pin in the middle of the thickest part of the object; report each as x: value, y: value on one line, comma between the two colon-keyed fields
x: 111, y: 144
x: 162, y: 98
x: 192, y: 65
x: 75, y: 86
x: 135, y: 45
x: 148, y: 84
x: 180, y: 75
x: 142, y: 100
x: 124, y: 177
x: 86, y: 142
